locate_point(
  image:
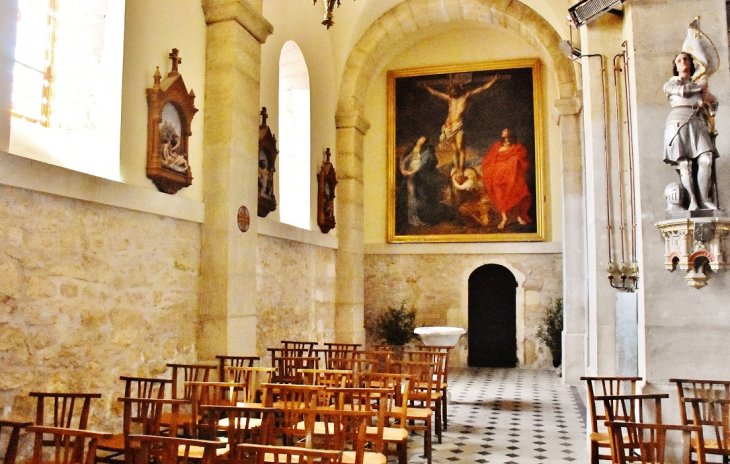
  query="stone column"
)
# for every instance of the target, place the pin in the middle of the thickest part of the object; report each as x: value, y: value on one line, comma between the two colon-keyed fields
x: 350, y: 300
x: 236, y: 30
x: 574, y: 240
x: 8, y: 26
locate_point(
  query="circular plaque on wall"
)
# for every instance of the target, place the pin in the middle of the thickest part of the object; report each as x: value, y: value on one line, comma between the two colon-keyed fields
x: 243, y: 219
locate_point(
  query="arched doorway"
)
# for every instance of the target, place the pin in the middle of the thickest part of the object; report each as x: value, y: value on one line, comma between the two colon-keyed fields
x: 492, y: 317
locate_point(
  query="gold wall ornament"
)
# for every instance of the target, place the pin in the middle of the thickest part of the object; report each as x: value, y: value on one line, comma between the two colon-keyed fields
x: 267, y: 167
x: 326, y: 183
x: 695, y: 245
x: 170, y: 113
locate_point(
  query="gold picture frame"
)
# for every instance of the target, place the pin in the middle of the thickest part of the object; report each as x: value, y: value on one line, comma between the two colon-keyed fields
x: 465, y: 153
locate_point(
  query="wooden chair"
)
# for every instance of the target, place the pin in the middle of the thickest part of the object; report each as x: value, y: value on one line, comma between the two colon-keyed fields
x: 65, y: 445
x: 420, y: 399
x: 633, y: 408
x: 11, y: 430
x: 327, y: 377
x: 705, y: 390
x: 394, y: 406
x: 208, y: 393
x: 260, y: 454
x: 646, y: 443
x: 380, y: 360
x: 241, y: 424
x: 190, y: 373
x: 67, y: 410
x: 340, y: 359
x: 298, y: 348
x: 174, y: 450
x: 604, y: 386
x: 112, y: 450
x: 288, y: 368
x: 444, y: 373
x: 144, y: 416
x: 233, y: 361
x: 713, y: 415
x: 289, y: 399
x: 437, y: 394
x: 343, y: 346
x: 344, y: 430
x: 251, y: 378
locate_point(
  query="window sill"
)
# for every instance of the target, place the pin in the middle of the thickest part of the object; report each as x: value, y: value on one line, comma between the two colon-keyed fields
x: 28, y: 174
x: 272, y: 228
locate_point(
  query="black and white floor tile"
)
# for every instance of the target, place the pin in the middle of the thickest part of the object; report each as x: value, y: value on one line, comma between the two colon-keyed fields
x: 508, y: 416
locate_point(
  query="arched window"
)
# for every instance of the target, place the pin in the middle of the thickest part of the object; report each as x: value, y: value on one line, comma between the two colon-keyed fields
x: 294, y: 138
x: 67, y: 84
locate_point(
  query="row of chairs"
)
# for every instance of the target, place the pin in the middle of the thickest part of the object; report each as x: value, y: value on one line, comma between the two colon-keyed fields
x: 628, y: 427
x: 228, y: 368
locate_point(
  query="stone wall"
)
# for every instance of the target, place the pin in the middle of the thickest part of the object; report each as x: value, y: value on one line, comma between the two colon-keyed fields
x: 295, y: 293
x: 437, y: 286
x: 88, y: 293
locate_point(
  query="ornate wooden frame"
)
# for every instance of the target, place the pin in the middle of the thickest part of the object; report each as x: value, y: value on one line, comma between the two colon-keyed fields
x: 171, y: 109
x: 326, y: 182
x: 267, y: 167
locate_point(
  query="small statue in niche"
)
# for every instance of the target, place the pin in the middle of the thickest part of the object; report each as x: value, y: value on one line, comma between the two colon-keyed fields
x: 326, y: 183
x: 169, y: 150
x: 689, y: 137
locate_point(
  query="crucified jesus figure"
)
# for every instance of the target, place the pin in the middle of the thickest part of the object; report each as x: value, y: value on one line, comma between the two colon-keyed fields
x: 453, y: 129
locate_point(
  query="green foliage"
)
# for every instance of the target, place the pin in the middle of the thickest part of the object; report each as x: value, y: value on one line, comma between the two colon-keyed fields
x: 395, y: 326
x: 551, y: 328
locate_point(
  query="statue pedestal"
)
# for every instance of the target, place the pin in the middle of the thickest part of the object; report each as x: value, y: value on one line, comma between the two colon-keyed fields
x: 693, y: 242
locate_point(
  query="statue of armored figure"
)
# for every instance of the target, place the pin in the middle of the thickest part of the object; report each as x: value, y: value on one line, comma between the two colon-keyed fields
x: 689, y: 137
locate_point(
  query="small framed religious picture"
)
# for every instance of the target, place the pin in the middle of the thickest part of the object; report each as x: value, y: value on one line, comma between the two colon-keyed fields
x: 267, y: 167
x: 465, y: 150
x: 170, y: 113
x: 326, y: 183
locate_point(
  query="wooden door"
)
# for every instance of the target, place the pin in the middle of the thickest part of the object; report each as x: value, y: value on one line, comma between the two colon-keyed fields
x: 492, y: 317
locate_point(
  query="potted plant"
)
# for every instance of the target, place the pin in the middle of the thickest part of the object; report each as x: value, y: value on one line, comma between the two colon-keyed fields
x: 551, y: 329
x: 395, y: 326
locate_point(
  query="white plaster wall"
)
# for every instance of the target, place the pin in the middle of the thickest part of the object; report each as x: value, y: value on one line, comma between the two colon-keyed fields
x: 151, y: 31
x: 299, y: 21
x: 685, y: 329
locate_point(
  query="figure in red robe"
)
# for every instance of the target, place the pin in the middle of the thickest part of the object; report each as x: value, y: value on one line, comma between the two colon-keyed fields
x: 503, y: 173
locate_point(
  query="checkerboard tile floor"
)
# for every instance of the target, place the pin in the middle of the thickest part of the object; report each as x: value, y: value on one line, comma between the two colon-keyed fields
x: 508, y: 416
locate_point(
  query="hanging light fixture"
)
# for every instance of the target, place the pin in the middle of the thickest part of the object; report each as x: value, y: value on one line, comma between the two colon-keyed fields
x: 329, y: 6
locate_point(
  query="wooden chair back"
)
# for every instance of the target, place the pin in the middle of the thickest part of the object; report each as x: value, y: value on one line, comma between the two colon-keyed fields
x: 290, y: 399
x: 144, y: 416
x: 251, y: 378
x: 65, y: 445
x: 190, y: 373
x: 346, y: 430
x: 342, y: 346
x: 67, y: 410
x: 298, y: 348
x: 422, y: 381
x: 242, y: 424
x: 340, y: 359
x: 646, y: 408
x: 696, y: 388
x: 233, y: 361
x: 144, y: 387
x: 380, y: 360
x: 11, y: 431
x: 604, y: 386
x: 288, y: 368
x: 174, y: 450
x: 209, y: 393
x: 260, y: 454
x: 713, y: 415
x: 647, y: 443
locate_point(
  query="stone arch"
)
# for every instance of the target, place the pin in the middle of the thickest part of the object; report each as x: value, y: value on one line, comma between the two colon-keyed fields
x: 395, y: 30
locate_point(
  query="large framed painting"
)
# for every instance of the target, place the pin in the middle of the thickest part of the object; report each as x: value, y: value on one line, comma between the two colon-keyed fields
x: 465, y: 151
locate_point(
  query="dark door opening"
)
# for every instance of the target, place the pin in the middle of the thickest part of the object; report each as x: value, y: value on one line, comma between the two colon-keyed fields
x: 492, y: 317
